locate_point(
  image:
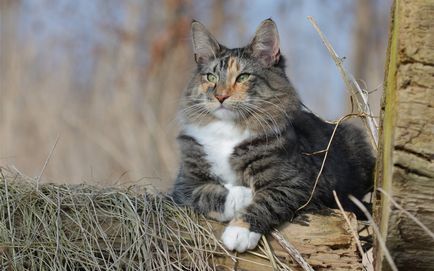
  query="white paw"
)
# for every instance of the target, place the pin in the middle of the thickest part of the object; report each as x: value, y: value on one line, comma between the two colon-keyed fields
x: 238, y: 198
x: 239, y: 238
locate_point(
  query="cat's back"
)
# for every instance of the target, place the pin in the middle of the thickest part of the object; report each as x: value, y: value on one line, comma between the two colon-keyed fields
x: 318, y: 133
x: 312, y: 132
x: 350, y: 156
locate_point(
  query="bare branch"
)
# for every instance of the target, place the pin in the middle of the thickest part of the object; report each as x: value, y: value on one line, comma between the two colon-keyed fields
x: 410, y: 215
x: 326, y: 151
x: 292, y: 251
x: 376, y: 231
x: 353, y: 231
x: 360, y: 96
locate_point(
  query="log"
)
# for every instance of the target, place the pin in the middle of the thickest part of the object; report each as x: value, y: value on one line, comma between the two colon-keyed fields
x: 324, y: 241
x: 405, y: 170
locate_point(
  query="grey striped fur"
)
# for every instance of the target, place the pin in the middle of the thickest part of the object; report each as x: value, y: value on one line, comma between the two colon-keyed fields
x: 275, y: 163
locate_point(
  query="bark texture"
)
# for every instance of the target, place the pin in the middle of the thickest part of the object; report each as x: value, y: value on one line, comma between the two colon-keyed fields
x: 405, y: 169
x: 324, y: 241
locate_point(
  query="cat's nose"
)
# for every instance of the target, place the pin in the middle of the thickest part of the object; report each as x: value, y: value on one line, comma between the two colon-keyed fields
x: 221, y: 98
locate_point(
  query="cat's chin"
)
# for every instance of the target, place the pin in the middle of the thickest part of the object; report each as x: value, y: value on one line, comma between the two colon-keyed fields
x: 224, y: 114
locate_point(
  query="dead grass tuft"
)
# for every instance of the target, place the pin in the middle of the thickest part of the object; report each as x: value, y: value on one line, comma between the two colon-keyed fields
x: 80, y: 227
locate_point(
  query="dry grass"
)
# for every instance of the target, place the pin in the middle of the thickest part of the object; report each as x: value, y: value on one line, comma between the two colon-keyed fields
x: 81, y: 227
x: 87, y: 228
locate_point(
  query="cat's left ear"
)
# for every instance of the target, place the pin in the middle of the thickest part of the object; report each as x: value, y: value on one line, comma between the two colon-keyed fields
x: 205, y: 46
x: 265, y: 45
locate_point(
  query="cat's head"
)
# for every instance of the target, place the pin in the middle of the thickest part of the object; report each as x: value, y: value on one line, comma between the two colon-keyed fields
x: 242, y: 85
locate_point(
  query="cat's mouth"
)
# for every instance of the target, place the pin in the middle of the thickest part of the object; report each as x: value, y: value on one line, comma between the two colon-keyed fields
x: 224, y: 112
x: 222, y: 107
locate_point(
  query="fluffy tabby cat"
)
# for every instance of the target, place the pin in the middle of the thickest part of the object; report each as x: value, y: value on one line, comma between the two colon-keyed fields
x: 247, y: 143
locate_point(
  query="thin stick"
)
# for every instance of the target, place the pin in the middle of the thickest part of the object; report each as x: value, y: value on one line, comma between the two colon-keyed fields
x: 351, y: 85
x: 269, y: 252
x: 292, y: 251
x: 377, y: 232
x: 353, y: 231
x: 46, y: 163
x: 325, y: 158
x: 410, y: 215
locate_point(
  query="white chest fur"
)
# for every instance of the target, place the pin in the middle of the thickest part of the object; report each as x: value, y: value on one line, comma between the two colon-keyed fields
x: 219, y: 139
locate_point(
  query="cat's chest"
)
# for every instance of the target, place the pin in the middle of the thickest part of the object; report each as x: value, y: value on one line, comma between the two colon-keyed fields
x: 219, y: 140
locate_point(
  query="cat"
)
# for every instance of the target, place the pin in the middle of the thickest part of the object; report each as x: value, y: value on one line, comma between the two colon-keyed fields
x: 248, y: 145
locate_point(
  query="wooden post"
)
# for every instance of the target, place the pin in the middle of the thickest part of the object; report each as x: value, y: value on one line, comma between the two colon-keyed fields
x: 405, y: 169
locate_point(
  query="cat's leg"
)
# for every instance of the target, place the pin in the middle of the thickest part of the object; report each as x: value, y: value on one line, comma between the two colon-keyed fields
x: 270, y: 207
x: 237, y: 198
x: 196, y: 186
x: 213, y: 199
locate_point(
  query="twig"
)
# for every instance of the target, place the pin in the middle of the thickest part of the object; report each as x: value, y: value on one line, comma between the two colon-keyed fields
x: 292, y: 251
x: 353, y: 231
x: 377, y: 232
x: 314, y: 153
x: 46, y: 163
x: 352, y: 86
x: 269, y: 252
x: 410, y: 215
x: 326, y: 151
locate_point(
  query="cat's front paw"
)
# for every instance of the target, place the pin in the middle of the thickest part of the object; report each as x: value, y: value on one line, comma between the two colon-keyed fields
x: 240, y: 238
x: 238, y: 198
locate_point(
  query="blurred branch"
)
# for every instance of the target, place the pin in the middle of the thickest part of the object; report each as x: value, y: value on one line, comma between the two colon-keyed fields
x: 364, y: 25
x: 360, y: 96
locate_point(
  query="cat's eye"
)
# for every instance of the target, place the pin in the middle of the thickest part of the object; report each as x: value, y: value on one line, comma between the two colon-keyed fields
x: 243, y: 77
x: 211, y: 78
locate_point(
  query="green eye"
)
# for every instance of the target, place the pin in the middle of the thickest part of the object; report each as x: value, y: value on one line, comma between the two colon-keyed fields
x: 211, y: 78
x: 243, y: 77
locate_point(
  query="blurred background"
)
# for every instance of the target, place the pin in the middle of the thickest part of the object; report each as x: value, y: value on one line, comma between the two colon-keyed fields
x: 104, y: 76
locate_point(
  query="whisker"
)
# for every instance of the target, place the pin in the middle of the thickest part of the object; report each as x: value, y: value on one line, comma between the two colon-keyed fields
x: 273, y: 104
x: 274, y: 126
x: 253, y: 114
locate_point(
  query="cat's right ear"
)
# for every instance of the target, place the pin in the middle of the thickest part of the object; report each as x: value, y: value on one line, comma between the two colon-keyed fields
x: 205, y: 46
x: 265, y: 44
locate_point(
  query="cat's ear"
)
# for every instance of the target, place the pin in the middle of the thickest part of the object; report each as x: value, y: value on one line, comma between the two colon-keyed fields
x: 265, y: 45
x: 205, y: 46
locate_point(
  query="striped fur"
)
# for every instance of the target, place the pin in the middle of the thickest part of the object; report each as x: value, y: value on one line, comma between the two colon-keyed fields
x: 272, y: 162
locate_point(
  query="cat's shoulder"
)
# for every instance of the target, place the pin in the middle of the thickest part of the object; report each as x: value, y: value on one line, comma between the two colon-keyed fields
x: 308, y: 121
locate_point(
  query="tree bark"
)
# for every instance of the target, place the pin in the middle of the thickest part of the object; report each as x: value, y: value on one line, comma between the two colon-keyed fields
x: 324, y: 241
x: 405, y: 169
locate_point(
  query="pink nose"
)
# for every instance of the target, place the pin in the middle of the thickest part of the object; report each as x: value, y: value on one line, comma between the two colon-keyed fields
x: 221, y: 98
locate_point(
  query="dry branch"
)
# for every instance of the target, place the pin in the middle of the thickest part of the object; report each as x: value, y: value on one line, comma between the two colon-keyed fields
x: 359, y: 95
x: 326, y: 151
x: 292, y: 251
x: 380, y: 240
x: 410, y: 215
